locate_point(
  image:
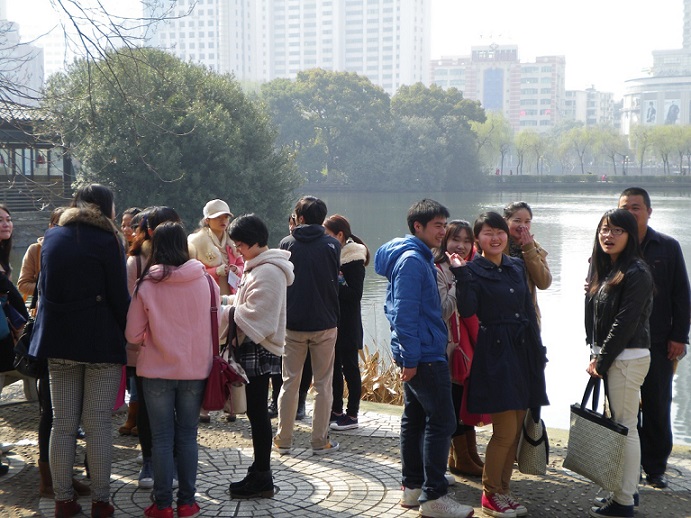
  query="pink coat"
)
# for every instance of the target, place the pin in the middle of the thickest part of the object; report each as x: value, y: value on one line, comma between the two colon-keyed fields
x: 172, y: 321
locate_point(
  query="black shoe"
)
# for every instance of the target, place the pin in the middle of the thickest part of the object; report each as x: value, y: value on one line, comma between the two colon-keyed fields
x: 658, y: 481
x: 234, y: 486
x: 273, y: 410
x: 260, y: 484
x: 4, y: 468
x: 612, y: 509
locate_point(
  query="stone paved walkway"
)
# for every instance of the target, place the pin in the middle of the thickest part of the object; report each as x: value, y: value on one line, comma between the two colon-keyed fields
x: 361, y: 479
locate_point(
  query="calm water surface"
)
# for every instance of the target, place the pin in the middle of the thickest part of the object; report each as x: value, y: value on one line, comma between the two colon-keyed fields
x: 564, y: 224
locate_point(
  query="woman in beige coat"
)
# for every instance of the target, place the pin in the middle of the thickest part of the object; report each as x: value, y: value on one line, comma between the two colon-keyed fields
x: 522, y: 244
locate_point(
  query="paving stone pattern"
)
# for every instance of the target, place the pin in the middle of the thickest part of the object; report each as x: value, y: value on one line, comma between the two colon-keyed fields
x: 361, y: 479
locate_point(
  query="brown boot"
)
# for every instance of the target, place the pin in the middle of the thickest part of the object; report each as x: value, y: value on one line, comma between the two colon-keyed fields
x: 472, y: 447
x: 452, y: 460
x: 80, y: 488
x: 131, y: 422
x: 464, y: 464
x: 45, y: 485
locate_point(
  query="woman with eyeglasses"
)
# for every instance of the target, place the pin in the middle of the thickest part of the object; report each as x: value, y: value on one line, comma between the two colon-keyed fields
x: 618, y: 303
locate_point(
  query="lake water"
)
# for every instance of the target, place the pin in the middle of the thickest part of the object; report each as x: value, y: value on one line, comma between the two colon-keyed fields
x: 564, y: 223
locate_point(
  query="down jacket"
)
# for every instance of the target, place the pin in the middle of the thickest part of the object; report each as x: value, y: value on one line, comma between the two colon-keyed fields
x: 413, y: 305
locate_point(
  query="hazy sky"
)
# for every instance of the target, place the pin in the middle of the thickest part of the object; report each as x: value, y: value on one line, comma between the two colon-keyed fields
x: 605, y: 41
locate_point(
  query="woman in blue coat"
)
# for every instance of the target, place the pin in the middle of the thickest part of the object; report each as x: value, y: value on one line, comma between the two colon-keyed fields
x: 80, y: 329
x: 507, y: 373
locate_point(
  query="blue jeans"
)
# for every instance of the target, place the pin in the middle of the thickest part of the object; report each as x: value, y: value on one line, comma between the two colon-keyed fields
x: 173, y: 407
x: 426, y: 426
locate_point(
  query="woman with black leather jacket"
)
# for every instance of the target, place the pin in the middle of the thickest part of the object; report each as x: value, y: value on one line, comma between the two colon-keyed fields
x: 618, y: 304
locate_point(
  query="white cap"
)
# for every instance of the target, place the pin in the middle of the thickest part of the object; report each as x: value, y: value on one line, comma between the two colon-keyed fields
x: 216, y: 208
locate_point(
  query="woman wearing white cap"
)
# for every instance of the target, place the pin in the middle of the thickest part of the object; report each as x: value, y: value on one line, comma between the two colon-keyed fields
x: 213, y: 247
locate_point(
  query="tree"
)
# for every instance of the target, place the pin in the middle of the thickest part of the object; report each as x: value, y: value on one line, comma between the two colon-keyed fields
x: 160, y: 131
x: 494, y: 139
x: 435, y: 123
x: 608, y: 142
x: 580, y: 140
x: 642, y: 142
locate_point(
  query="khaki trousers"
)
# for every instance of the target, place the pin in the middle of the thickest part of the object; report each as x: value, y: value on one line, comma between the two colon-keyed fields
x: 321, y: 345
x: 501, y: 451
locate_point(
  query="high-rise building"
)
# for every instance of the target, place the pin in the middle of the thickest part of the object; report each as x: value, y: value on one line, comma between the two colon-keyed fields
x: 591, y: 107
x: 259, y: 40
x: 21, y: 65
x: 664, y: 97
x: 530, y: 95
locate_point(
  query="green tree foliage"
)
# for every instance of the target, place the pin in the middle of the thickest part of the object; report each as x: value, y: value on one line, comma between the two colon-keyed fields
x: 344, y: 131
x: 334, y: 122
x: 434, y: 147
x: 160, y: 131
x: 494, y: 139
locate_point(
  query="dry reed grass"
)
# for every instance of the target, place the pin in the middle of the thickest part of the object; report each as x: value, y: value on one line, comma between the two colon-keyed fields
x: 381, y: 382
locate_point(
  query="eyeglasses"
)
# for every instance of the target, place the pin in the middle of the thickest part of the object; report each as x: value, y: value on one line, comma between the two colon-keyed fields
x: 616, y: 231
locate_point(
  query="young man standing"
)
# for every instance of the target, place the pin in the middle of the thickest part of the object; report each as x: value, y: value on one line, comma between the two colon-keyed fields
x: 669, y: 334
x: 418, y: 344
x: 311, y: 319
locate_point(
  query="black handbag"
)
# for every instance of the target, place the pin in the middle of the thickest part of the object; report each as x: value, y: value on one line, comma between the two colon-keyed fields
x: 596, y: 442
x: 24, y: 363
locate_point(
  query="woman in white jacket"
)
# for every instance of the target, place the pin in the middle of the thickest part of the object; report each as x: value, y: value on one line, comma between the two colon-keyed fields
x: 259, y: 311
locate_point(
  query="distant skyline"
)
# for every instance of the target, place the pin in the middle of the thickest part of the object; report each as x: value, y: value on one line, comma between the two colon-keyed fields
x: 605, y: 41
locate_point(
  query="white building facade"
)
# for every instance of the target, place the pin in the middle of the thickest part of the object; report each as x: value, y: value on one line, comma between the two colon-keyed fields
x: 259, y: 40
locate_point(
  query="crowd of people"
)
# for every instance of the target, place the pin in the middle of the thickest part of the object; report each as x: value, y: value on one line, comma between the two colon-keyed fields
x: 140, y: 307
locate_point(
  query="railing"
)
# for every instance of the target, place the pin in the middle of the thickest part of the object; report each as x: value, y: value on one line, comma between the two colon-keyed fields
x: 22, y: 194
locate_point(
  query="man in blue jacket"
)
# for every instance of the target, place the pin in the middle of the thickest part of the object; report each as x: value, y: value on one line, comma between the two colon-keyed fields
x: 418, y: 344
x: 669, y: 334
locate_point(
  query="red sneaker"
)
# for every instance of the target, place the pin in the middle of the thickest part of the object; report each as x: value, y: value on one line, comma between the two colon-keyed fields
x: 188, y: 510
x: 496, y: 505
x: 154, y: 512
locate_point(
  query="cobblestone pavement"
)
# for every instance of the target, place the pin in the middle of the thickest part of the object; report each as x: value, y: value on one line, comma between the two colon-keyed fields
x: 361, y: 479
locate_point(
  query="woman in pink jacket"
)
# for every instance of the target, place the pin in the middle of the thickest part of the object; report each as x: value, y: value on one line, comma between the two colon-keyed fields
x: 170, y: 315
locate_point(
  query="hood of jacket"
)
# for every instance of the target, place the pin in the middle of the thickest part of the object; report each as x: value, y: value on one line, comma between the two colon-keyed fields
x: 353, y: 251
x: 91, y: 215
x: 388, y: 254
x: 279, y: 258
x: 186, y: 272
x: 307, y: 233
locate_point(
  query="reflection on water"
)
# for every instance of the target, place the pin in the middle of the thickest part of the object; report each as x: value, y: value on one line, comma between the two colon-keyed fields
x: 564, y: 224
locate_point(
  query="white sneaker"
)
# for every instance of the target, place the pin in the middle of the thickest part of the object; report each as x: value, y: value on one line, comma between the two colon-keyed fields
x: 281, y: 450
x: 445, y: 507
x: 450, y: 479
x: 410, y: 496
x: 140, y: 459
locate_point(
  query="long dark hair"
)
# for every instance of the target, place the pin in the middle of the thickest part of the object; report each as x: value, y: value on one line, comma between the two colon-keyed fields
x: 6, y: 247
x: 453, y: 228
x: 602, y: 269
x: 95, y: 194
x: 151, y: 217
x: 169, y: 250
x: 338, y: 223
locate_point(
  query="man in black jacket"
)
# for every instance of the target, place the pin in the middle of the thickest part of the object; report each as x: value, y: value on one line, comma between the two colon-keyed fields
x: 311, y: 319
x: 669, y: 333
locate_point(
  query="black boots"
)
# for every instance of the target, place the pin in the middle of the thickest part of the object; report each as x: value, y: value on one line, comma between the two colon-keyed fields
x: 257, y: 484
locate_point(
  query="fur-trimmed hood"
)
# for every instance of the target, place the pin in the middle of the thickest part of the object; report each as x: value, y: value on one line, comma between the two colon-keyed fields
x: 353, y: 251
x: 91, y: 215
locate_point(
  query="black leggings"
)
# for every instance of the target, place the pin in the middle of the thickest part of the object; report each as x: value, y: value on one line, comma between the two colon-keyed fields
x: 143, y: 426
x: 45, y: 422
x: 257, y: 392
x: 457, y: 396
x: 346, y: 365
